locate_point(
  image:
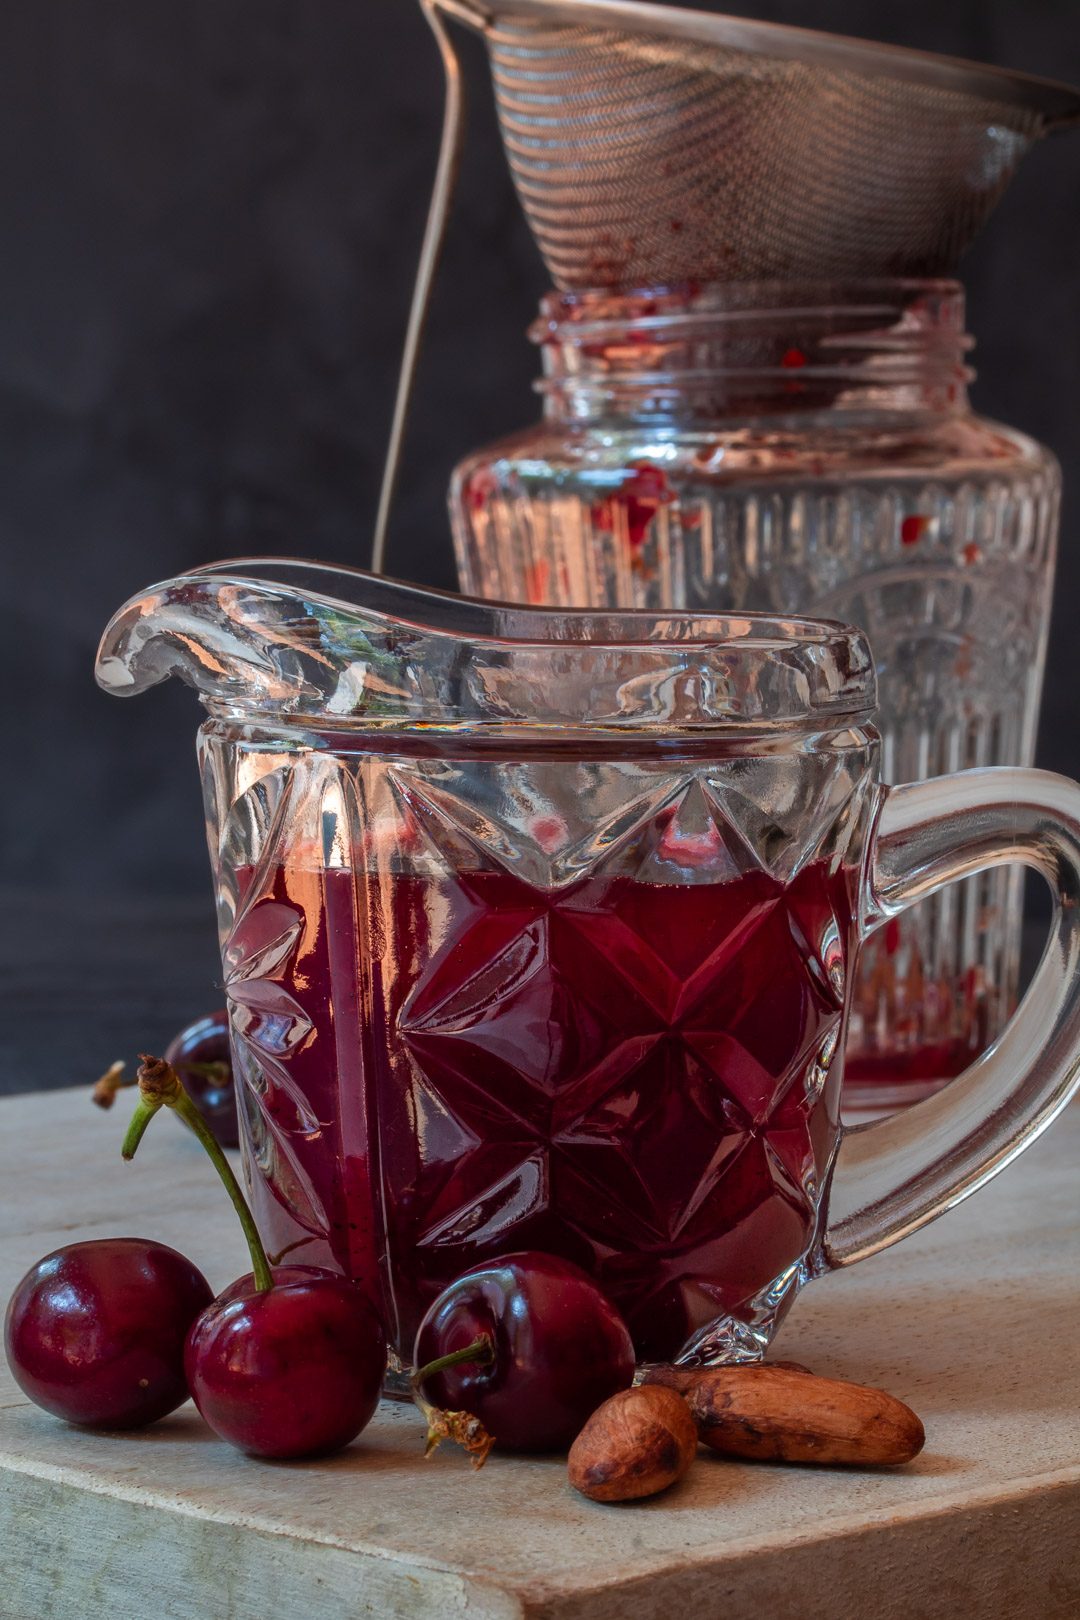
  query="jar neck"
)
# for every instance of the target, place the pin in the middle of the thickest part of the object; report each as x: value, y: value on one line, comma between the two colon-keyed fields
x: 723, y: 352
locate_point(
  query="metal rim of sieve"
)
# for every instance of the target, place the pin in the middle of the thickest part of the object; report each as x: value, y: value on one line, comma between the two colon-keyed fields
x: 1056, y: 101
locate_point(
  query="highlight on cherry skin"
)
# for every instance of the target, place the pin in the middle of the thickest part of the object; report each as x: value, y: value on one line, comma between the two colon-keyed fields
x: 528, y: 1345
x: 95, y: 1332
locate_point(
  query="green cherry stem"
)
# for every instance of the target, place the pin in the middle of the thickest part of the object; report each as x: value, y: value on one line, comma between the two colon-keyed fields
x: 161, y: 1086
x: 482, y: 1351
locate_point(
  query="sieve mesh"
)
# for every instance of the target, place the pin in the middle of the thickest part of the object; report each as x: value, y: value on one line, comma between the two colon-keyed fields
x: 642, y: 159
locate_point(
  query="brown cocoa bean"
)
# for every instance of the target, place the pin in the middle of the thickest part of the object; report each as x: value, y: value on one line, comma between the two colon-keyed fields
x: 638, y: 1443
x: 677, y: 1378
x: 773, y: 1413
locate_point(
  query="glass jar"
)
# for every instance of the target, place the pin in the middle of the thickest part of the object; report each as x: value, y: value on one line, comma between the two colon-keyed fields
x: 786, y: 449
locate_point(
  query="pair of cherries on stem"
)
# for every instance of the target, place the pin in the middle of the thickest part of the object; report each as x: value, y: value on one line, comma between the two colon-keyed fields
x: 285, y: 1363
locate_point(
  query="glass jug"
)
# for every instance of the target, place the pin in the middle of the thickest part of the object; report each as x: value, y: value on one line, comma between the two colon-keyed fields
x: 539, y: 929
x: 800, y: 448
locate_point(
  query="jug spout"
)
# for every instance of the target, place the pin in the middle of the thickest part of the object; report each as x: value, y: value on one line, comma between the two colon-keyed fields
x: 285, y: 637
x: 294, y: 643
x: 202, y: 627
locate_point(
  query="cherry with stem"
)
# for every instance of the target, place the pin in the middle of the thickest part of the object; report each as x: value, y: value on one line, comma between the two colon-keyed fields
x: 287, y: 1362
x: 527, y: 1345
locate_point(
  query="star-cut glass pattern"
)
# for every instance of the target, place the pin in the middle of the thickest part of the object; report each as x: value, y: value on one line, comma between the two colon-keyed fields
x: 270, y: 1027
x: 480, y: 1008
x: 635, y: 1069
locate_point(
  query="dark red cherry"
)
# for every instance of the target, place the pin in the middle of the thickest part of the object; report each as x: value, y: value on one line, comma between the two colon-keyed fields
x: 95, y: 1332
x: 292, y: 1371
x: 560, y: 1348
x: 201, y: 1055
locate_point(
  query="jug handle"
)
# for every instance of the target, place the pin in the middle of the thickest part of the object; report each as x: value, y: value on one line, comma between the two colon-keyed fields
x: 892, y: 1177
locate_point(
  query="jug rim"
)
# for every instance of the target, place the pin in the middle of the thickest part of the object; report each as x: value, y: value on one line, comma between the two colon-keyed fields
x: 293, y: 641
x: 521, y: 623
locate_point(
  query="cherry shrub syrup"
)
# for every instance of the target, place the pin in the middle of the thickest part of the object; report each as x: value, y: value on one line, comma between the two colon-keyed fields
x: 640, y: 1077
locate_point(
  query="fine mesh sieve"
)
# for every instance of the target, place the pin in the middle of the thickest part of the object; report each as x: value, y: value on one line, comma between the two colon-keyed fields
x: 731, y: 151
x: 651, y: 144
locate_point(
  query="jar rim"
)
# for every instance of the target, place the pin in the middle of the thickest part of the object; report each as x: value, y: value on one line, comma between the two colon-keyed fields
x: 747, y: 348
x: 936, y: 303
x: 764, y: 293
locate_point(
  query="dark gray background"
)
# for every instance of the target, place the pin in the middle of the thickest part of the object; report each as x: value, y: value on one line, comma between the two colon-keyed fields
x: 210, y: 214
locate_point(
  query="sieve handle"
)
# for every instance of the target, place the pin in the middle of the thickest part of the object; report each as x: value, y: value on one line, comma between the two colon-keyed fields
x: 446, y: 172
x: 471, y: 12
x: 893, y: 1177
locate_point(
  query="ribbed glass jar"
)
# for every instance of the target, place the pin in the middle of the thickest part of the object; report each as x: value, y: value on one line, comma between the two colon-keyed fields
x: 805, y: 449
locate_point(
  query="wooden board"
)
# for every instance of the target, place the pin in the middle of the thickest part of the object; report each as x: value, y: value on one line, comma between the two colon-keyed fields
x: 976, y: 1322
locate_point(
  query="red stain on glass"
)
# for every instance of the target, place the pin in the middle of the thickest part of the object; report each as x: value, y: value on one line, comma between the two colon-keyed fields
x: 793, y: 360
x: 549, y: 832
x: 537, y: 577
x: 701, y: 848
x: 638, y: 500
x: 481, y: 488
x: 964, y: 662
x: 914, y: 527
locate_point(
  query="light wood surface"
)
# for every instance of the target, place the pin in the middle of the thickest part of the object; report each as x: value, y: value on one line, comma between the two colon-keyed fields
x: 975, y: 1322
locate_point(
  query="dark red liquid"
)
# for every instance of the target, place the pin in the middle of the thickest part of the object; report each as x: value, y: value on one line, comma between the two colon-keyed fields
x: 913, y: 1030
x: 635, y: 1076
x: 924, y: 1064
